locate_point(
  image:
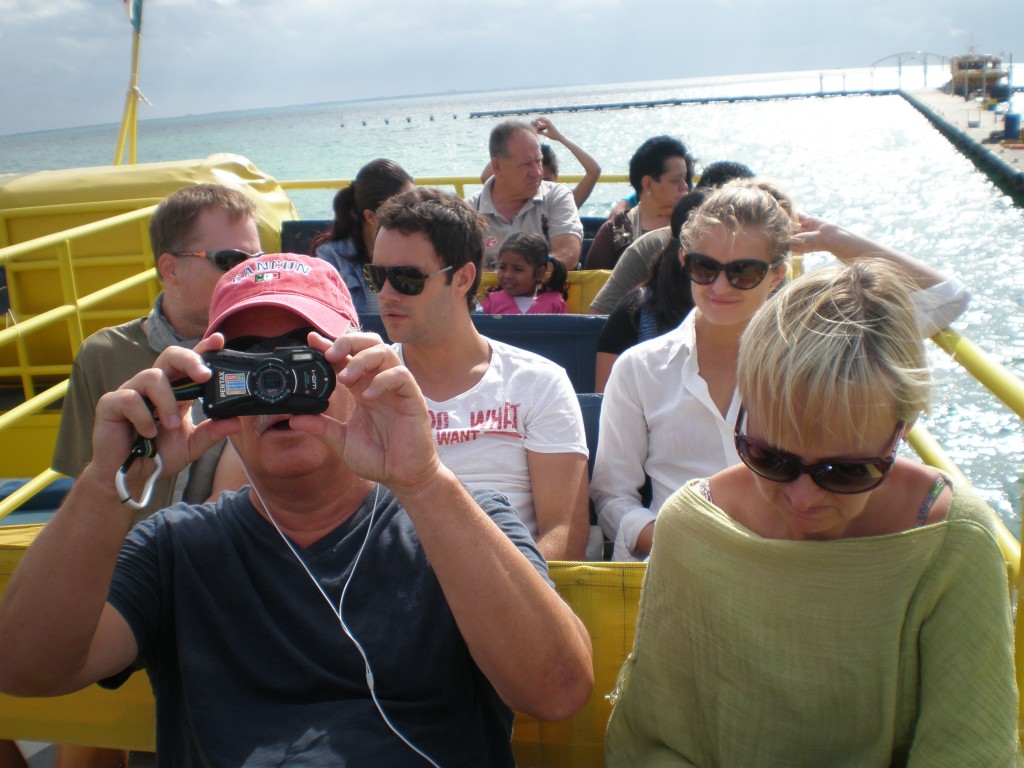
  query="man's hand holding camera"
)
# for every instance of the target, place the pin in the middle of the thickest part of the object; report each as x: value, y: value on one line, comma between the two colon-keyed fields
x: 386, y: 435
x: 146, y: 405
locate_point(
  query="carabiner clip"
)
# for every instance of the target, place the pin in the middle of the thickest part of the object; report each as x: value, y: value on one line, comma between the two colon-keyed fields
x: 142, y: 448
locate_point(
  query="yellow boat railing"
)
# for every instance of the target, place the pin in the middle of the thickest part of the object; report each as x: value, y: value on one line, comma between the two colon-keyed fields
x: 459, y: 183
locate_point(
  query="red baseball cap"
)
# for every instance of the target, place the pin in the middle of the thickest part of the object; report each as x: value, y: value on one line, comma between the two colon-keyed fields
x: 308, y: 286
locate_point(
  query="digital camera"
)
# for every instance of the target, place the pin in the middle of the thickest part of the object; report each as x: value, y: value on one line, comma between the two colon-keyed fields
x: 288, y: 380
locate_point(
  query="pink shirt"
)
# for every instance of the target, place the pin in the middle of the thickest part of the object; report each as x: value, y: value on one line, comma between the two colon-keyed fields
x: 546, y: 303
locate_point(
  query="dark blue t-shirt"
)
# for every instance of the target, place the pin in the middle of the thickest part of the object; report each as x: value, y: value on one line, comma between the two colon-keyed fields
x: 250, y: 664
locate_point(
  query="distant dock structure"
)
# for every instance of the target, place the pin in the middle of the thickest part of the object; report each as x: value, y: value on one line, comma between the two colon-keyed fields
x: 679, y: 102
x: 981, y: 134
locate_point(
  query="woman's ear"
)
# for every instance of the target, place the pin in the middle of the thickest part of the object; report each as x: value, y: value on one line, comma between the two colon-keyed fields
x: 778, y: 274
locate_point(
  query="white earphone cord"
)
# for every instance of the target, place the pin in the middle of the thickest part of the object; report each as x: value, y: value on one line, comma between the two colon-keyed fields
x: 338, y: 611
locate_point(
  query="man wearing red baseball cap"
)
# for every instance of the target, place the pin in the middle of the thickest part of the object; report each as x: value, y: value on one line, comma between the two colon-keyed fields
x: 353, y: 605
x: 306, y: 287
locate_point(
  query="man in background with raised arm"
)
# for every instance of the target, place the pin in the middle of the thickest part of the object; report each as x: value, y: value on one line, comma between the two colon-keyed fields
x: 517, y: 199
x: 503, y: 418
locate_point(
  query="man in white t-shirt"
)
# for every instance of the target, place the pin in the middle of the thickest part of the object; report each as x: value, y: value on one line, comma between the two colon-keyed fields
x: 502, y: 417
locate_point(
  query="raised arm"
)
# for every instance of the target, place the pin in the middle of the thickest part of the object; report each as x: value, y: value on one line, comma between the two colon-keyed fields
x: 940, y: 298
x: 521, y: 634
x: 564, y: 228
x: 591, y: 168
x: 57, y: 631
x: 819, y: 235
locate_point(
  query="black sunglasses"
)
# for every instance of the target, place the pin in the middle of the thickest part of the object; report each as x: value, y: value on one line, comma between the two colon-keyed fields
x: 408, y: 281
x: 296, y: 338
x: 743, y: 274
x: 223, y: 260
x: 838, y: 475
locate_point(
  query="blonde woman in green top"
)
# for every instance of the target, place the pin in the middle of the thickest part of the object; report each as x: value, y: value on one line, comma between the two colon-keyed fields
x: 823, y: 603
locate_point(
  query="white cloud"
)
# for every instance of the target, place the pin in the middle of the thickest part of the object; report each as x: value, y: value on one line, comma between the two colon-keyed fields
x: 66, y: 61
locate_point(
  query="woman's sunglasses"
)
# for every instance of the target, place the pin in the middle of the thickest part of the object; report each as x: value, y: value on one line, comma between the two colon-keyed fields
x: 408, y: 281
x: 838, y: 475
x: 223, y: 260
x: 743, y: 274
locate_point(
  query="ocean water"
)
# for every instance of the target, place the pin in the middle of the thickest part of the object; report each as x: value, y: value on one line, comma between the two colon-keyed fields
x: 870, y: 163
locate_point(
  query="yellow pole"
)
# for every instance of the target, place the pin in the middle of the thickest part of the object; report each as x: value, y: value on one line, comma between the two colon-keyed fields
x: 128, y: 132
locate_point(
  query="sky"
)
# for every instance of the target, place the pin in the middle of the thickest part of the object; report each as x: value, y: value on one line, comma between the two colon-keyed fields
x: 66, y: 63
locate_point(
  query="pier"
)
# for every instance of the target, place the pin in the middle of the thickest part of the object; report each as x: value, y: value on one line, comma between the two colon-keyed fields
x: 676, y: 102
x: 976, y: 132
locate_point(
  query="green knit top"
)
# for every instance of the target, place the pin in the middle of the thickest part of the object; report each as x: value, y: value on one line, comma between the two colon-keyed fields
x: 891, y: 650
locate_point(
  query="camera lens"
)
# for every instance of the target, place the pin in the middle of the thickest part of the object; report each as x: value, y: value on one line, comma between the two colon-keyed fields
x: 272, y: 383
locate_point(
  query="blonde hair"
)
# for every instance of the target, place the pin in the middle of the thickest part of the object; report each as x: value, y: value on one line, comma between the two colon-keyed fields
x: 750, y: 204
x: 832, y: 352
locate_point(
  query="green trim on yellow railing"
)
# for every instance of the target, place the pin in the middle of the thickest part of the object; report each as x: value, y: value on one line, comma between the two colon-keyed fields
x: 33, y: 406
x: 70, y: 312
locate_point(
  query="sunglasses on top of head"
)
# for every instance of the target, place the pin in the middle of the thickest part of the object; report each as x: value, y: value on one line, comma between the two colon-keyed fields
x: 836, y: 475
x: 408, y: 281
x: 224, y: 259
x: 744, y: 274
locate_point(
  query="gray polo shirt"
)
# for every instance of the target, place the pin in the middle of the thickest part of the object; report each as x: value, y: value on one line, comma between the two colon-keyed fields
x: 551, y: 212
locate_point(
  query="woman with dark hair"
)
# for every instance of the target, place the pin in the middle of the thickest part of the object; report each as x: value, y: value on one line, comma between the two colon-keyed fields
x: 654, y: 307
x: 660, y: 172
x: 348, y: 244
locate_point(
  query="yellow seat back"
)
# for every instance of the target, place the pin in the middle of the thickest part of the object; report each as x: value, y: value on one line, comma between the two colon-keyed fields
x: 606, y: 596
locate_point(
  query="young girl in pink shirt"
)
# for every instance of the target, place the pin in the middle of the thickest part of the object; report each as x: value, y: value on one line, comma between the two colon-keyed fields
x: 523, y: 263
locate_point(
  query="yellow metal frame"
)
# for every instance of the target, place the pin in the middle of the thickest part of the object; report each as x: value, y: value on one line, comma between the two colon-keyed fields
x: 458, y: 183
